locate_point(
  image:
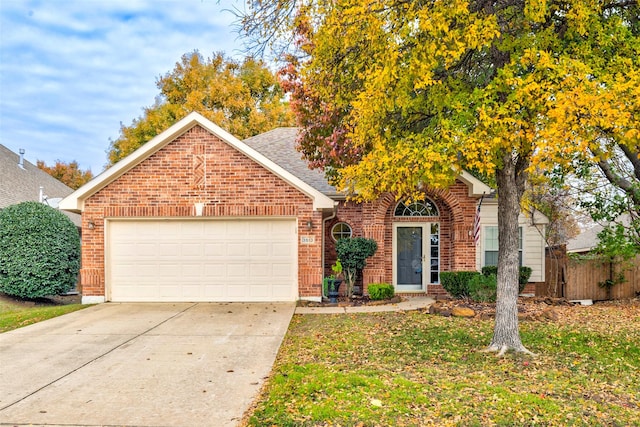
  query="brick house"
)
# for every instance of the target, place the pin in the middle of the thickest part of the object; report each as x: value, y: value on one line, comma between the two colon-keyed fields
x: 197, y: 215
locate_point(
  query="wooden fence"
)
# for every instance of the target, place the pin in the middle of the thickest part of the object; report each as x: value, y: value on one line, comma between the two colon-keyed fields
x: 579, y: 279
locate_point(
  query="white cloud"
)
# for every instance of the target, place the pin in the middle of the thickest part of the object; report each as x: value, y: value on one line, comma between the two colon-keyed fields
x: 71, y: 71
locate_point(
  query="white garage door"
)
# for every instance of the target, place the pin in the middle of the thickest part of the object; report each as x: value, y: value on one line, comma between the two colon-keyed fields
x: 202, y: 260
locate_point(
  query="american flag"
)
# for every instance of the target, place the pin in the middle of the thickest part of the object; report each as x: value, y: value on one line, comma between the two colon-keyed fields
x: 476, y: 223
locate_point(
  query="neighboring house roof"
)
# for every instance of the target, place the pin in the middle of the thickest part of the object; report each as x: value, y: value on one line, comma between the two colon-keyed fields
x: 585, y: 241
x: 22, y: 183
x: 279, y: 145
x: 75, y: 201
x: 588, y: 239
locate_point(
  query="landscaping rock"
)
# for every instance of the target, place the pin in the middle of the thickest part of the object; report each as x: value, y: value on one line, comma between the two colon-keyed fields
x: 550, y: 314
x: 486, y: 315
x: 434, y: 308
x: 526, y: 316
x: 462, y: 312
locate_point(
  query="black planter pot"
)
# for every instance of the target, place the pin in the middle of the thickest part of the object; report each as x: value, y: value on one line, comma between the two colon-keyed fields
x: 334, y: 287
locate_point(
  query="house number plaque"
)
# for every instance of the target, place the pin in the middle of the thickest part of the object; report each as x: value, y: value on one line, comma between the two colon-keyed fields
x: 307, y: 240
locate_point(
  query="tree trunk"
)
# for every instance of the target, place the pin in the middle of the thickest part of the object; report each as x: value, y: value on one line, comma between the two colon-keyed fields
x: 510, y: 182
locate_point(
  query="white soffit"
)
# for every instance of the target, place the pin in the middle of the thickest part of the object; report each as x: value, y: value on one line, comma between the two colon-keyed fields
x: 476, y: 187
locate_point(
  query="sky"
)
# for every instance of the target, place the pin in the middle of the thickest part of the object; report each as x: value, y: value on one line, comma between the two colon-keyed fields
x: 71, y: 71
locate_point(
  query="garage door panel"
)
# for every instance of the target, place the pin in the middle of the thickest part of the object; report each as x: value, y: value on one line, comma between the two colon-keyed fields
x: 259, y: 249
x: 236, y: 270
x: 260, y: 270
x: 191, y: 249
x: 215, y: 270
x: 282, y: 249
x: 236, y: 249
x: 192, y: 229
x: 213, y: 249
x: 202, y: 260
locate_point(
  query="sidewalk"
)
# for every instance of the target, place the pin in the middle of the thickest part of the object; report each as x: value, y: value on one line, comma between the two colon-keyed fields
x: 415, y: 303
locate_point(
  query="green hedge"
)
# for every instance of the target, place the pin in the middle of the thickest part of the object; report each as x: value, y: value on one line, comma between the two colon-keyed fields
x: 457, y: 282
x: 39, y: 251
x: 379, y: 291
x: 483, y: 288
x: 523, y: 279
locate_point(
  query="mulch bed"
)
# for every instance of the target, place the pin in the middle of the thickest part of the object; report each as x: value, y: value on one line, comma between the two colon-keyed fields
x: 355, y: 301
x: 529, y: 308
x: 47, y: 301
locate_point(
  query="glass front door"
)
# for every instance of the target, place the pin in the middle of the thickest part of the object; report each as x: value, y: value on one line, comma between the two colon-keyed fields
x: 416, y: 256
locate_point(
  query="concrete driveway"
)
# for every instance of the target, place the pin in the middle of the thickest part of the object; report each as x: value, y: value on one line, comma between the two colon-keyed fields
x: 182, y: 364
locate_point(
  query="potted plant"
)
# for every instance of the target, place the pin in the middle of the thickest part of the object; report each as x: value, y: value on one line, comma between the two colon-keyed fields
x: 333, y: 282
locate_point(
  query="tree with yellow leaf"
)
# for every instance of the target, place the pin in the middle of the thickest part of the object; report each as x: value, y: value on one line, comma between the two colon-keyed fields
x: 244, y: 98
x: 68, y: 173
x: 395, y: 96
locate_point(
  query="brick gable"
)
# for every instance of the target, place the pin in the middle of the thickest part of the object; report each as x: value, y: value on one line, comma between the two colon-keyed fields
x: 198, y: 167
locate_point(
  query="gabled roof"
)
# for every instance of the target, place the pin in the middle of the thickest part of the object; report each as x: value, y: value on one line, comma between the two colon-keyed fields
x: 588, y: 239
x: 279, y: 145
x: 22, y: 183
x: 476, y: 187
x: 585, y: 241
x: 75, y: 201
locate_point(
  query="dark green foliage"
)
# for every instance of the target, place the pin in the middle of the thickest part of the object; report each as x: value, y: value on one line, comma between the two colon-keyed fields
x: 457, y: 282
x: 488, y: 270
x: 353, y: 254
x: 483, y: 288
x: 525, y: 274
x: 379, y: 291
x: 325, y: 286
x: 523, y: 278
x: 39, y: 251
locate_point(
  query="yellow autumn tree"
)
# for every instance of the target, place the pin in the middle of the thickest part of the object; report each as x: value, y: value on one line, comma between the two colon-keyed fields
x: 244, y: 98
x: 68, y: 173
x: 412, y: 92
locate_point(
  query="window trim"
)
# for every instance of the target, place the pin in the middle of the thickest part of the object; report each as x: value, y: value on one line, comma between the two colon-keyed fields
x: 485, y: 250
x: 341, y: 223
x: 428, y: 205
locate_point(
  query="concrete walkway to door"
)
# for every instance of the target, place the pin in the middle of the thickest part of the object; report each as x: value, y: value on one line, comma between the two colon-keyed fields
x: 182, y: 364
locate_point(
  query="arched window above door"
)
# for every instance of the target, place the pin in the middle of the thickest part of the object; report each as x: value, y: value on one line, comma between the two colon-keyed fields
x: 424, y: 207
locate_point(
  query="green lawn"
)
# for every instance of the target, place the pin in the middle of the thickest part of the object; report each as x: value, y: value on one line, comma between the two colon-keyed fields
x: 16, y: 314
x: 416, y: 369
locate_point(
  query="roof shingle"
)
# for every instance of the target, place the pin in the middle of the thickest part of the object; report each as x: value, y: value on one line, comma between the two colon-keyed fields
x: 23, y: 184
x: 279, y: 146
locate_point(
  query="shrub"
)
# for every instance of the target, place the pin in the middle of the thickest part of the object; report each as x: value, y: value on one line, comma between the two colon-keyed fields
x: 523, y: 278
x: 488, y: 270
x: 525, y: 274
x: 379, y: 291
x: 39, y: 251
x: 353, y: 254
x: 483, y: 288
x: 456, y: 282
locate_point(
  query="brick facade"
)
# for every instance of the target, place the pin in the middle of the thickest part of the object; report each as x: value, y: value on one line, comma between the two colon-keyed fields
x: 375, y: 220
x: 198, y: 167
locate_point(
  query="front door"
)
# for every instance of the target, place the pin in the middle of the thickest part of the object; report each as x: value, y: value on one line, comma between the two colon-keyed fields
x: 416, y: 255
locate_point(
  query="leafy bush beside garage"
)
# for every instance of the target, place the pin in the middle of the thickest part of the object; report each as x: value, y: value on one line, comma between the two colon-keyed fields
x: 39, y: 251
